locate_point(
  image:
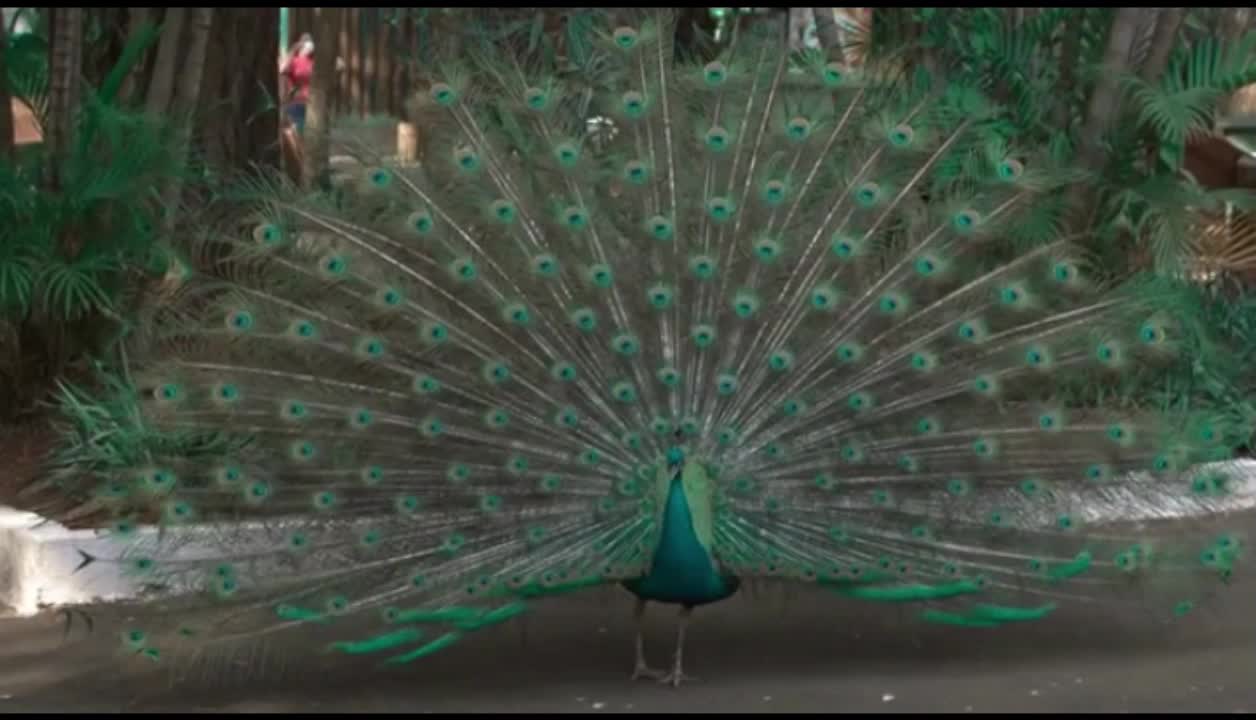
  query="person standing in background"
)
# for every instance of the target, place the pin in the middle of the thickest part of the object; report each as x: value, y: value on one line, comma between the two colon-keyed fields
x: 298, y: 70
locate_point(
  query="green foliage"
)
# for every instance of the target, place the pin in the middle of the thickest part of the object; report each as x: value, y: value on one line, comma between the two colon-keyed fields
x: 73, y: 262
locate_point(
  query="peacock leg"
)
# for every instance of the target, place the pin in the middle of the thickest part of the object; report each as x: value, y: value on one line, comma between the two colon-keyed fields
x: 640, y: 669
x: 677, y: 676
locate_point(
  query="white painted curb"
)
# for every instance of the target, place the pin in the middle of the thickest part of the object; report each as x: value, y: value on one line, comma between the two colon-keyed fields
x: 38, y: 558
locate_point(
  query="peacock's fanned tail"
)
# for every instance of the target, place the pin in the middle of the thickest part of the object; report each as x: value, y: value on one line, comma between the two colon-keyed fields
x: 447, y: 392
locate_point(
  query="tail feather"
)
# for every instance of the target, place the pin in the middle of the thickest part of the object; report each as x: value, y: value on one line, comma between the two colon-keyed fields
x: 450, y: 392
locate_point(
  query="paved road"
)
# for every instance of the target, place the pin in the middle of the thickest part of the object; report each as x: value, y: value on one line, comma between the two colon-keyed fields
x: 806, y: 653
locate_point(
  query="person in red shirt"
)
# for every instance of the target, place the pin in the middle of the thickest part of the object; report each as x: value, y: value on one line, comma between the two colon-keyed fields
x: 298, y: 70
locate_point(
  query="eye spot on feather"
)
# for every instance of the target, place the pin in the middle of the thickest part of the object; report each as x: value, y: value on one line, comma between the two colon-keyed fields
x: 928, y: 266
x: 585, y: 319
x: 1013, y: 296
x: 973, y: 331
x: 745, y: 304
x: 636, y: 172
x: 458, y: 473
x: 333, y: 266
x: 1098, y: 472
x: 1010, y: 170
x: 535, y: 98
x: 720, y: 209
x: 463, y: 269
x: 467, y: 160
x: 575, y: 218
x: 928, y: 426
x: 702, y: 267
x: 798, y: 128
x: 517, y: 313
x: 882, y: 497
x: 823, y: 297
x: 985, y: 448
x: 239, y: 321
x: 303, y: 330
x: 257, y: 492
x: 1152, y: 333
x: 425, y: 384
x: 793, y: 407
x: 490, y: 503
x: 726, y: 384
x: 545, y: 265
x: 1064, y: 272
x: 781, y: 360
x: 625, y: 37
x: 660, y: 228
x: 923, y: 361
x: 229, y: 475
x: 986, y: 385
x: 496, y: 418
x: 714, y: 74
x: 624, y: 392
x: 966, y: 221
x: 370, y: 348
x: 958, y: 487
x: 567, y: 154
x: 496, y: 371
x: 868, y: 194
x: 567, y: 417
x: 361, y: 419
x: 726, y: 436
x: 773, y: 192
x: 433, y: 333
x: 660, y: 296
x: 661, y: 426
x: 767, y: 250
x: 325, y: 500
x: 631, y: 440
x: 703, y: 336
x: 849, y: 352
x: 717, y: 139
x: 633, y: 104
x: 379, y: 178
x: 859, y: 401
x: 845, y: 247
x: 1108, y: 353
x: 503, y: 211
x: 168, y: 393
x: 901, y: 136
x: 517, y: 465
x: 601, y: 276
x: 268, y: 234
x: 563, y: 371
x: 443, y: 94
x: 432, y: 428
x: 893, y: 303
x: 371, y: 475
x: 1037, y: 356
x: 421, y: 222
x: 304, y: 450
x: 832, y: 74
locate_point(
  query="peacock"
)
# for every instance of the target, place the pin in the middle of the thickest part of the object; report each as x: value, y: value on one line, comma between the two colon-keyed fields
x: 771, y: 320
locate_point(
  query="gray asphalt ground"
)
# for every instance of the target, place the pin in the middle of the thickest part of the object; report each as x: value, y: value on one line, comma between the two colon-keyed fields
x: 809, y: 652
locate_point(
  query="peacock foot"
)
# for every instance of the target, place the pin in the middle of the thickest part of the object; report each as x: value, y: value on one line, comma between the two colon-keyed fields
x: 643, y: 671
x: 676, y: 677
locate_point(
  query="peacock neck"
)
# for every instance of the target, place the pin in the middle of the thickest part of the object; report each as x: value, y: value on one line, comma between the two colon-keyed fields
x: 682, y: 569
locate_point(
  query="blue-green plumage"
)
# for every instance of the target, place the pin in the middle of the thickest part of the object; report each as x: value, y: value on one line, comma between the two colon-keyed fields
x: 682, y: 571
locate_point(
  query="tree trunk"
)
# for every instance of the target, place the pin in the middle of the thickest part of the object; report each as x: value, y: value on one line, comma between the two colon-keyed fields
x: 187, y: 94
x: 64, y: 87
x: 1102, y: 107
x: 317, y: 116
x: 136, y: 20
x: 6, y: 102
x: 239, y: 104
x: 1163, y: 42
x: 161, y: 84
